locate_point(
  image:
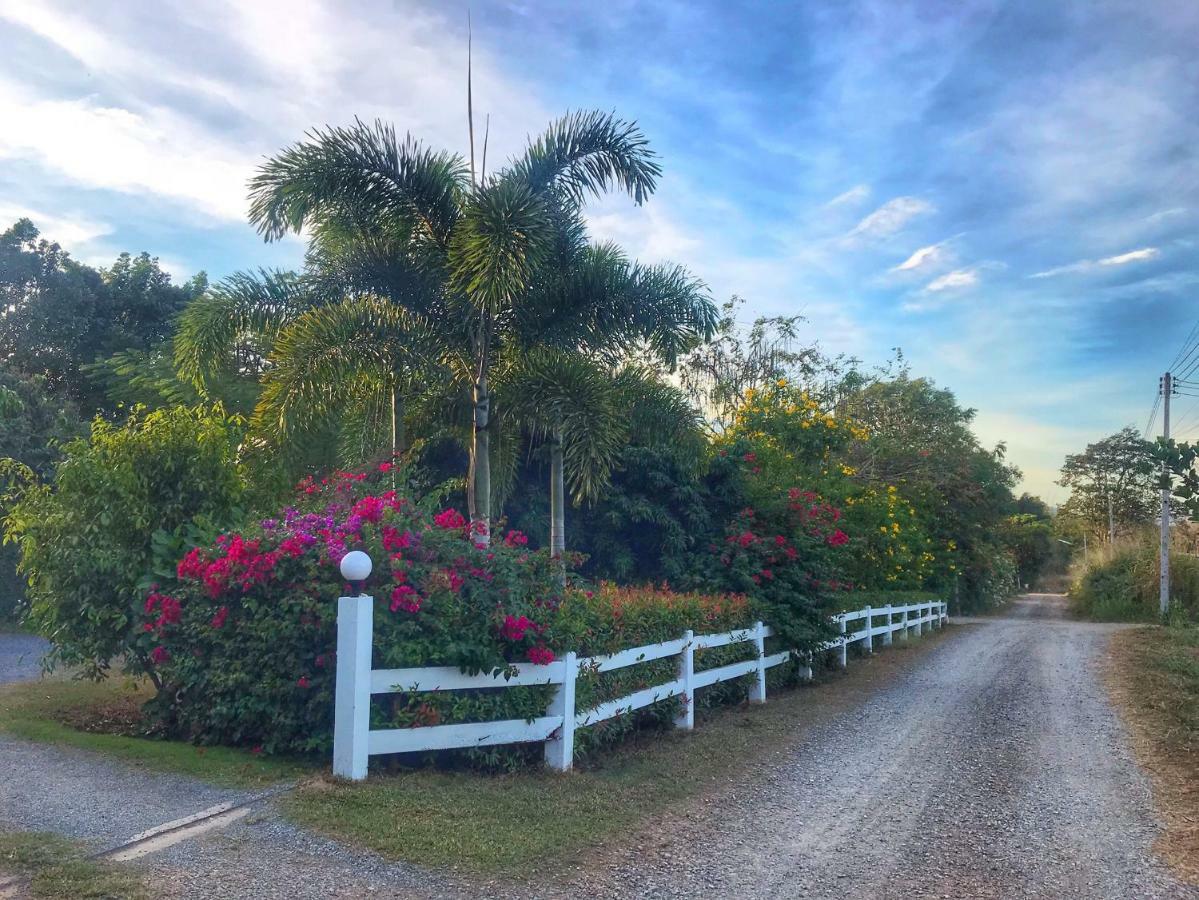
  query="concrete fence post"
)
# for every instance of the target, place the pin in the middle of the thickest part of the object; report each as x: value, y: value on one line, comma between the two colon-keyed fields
x: 757, y: 693
x: 887, y: 638
x: 686, y: 718
x: 843, y: 655
x: 352, y: 694
x: 560, y: 750
x: 869, y: 630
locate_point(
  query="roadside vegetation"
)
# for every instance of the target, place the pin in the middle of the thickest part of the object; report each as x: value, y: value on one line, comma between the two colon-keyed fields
x: 544, y: 444
x: 50, y: 867
x: 1155, y: 678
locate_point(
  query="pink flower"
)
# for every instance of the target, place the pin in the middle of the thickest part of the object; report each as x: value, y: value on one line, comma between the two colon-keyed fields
x: 514, y: 629
x: 837, y: 538
x: 515, y: 539
x: 386, y: 467
x: 449, y: 519
x: 303, y: 682
x: 159, y: 655
x: 219, y: 619
x: 405, y: 597
x: 541, y: 655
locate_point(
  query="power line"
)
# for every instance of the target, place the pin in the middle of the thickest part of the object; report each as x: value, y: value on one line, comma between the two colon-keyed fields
x: 1157, y: 402
x: 1183, y: 349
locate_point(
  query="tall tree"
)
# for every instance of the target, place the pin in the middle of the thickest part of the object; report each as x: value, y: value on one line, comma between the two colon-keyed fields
x: 1113, y: 487
x: 57, y: 316
x: 389, y: 211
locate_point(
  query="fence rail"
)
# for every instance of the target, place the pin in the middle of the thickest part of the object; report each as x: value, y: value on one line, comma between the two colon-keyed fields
x: 354, y: 742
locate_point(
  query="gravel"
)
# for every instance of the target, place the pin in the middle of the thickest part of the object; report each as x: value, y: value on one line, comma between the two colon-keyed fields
x: 996, y: 768
x: 992, y: 767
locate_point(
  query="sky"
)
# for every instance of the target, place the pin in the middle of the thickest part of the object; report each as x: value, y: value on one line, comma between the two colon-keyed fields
x: 1007, y: 191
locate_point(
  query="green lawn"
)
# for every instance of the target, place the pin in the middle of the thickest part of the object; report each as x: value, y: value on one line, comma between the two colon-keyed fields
x: 92, y: 716
x: 58, y: 869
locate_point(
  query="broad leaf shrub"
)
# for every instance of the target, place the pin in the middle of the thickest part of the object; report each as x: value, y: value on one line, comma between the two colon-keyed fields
x: 121, y: 505
x: 245, y: 639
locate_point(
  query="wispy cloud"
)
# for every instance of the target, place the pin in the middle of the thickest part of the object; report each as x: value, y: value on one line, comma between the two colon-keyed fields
x: 889, y: 218
x: 1088, y: 265
x: 851, y: 197
x: 925, y: 258
x: 958, y: 278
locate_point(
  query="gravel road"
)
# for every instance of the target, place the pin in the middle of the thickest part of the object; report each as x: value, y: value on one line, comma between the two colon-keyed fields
x: 995, y: 768
x: 992, y: 766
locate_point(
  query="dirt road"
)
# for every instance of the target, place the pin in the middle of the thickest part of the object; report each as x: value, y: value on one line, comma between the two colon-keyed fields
x: 995, y: 768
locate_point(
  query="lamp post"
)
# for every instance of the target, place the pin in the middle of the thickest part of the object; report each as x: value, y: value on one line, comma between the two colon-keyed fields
x: 356, y: 568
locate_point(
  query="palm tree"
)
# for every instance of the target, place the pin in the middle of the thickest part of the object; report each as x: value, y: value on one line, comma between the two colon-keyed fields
x: 378, y: 207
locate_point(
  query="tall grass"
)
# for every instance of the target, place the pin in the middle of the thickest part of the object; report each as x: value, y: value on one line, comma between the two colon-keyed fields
x: 1120, y: 583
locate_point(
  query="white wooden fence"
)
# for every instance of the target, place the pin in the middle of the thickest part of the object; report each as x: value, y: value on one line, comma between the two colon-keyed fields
x: 354, y: 742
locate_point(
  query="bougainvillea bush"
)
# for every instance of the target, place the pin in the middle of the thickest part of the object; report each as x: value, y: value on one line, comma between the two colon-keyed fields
x: 244, y: 640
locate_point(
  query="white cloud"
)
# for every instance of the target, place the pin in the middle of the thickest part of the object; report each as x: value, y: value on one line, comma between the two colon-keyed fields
x: 924, y: 258
x: 1130, y: 256
x: 70, y: 230
x: 958, y: 278
x: 851, y: 197
x: 890, y: 218
x: 1087, y: 265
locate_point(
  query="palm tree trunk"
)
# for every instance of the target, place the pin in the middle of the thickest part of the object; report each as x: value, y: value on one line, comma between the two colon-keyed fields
x: 480, y: 487
x: 557, y: 497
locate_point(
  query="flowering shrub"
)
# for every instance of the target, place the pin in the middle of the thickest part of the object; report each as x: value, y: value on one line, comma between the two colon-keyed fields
x: 245, y: 639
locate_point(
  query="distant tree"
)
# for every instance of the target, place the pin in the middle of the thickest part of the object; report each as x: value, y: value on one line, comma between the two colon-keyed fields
x: 58, y: 315
x: 1113, y: 488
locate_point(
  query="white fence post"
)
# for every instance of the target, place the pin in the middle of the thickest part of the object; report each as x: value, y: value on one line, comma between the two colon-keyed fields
x: 805, y: 670
x: 887, y: 637
x: 944, y: 611
x: 869, y: 630
x: 757, y: 693
x: 560, y: 751
x: 686, y: 719
x: 905, y: 632
x: 352, y: 703
x: 919, y: 622
x: 843, y: 656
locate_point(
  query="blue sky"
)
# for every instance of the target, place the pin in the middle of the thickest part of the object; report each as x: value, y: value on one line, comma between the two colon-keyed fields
x: 1008, y: 191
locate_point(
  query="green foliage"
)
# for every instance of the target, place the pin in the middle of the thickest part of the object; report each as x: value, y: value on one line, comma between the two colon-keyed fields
x: 1123, y: 584
x: 122, y: 506
x: 33, y: 426
x: 1112, y: 485
x: 61, y: 315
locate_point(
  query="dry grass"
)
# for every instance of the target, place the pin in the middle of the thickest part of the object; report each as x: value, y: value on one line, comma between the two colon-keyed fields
x: 1154, y: 677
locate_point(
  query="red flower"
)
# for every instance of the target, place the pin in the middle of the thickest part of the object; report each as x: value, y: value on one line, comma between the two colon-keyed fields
x: 219, y: 619
x: 405, y: 597
x: 541, y: 655
x: 386, y: 467
x: 514, y: 629
x: 837, y: 538
x: 303, y: 682
x: 515, y: 539
x: 449, y: 519
x: 779, y: 540
x: 159, y: 655
x: 750, y: 457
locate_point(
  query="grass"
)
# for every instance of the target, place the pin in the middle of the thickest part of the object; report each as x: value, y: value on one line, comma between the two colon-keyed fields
x: 526, y: 824
x: 101, y: 716
x: 1155, y: 680
x: 59, y: 869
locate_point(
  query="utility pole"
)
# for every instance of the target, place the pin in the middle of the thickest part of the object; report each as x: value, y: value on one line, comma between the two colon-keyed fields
x: 1164, y: 586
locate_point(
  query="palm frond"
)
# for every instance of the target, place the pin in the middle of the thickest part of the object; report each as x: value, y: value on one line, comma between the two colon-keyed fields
x: 323, y: 359
x: 360, y: 173
x: 238, y: 317
x: 504, y: 233
x: 589, y: 152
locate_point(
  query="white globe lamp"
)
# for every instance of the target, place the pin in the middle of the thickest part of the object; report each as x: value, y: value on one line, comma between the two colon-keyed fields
x: 356, y: 568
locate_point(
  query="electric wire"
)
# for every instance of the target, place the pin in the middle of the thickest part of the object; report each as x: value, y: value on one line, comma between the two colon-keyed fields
x: 1157, y: 402
x: 1182, y: 350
